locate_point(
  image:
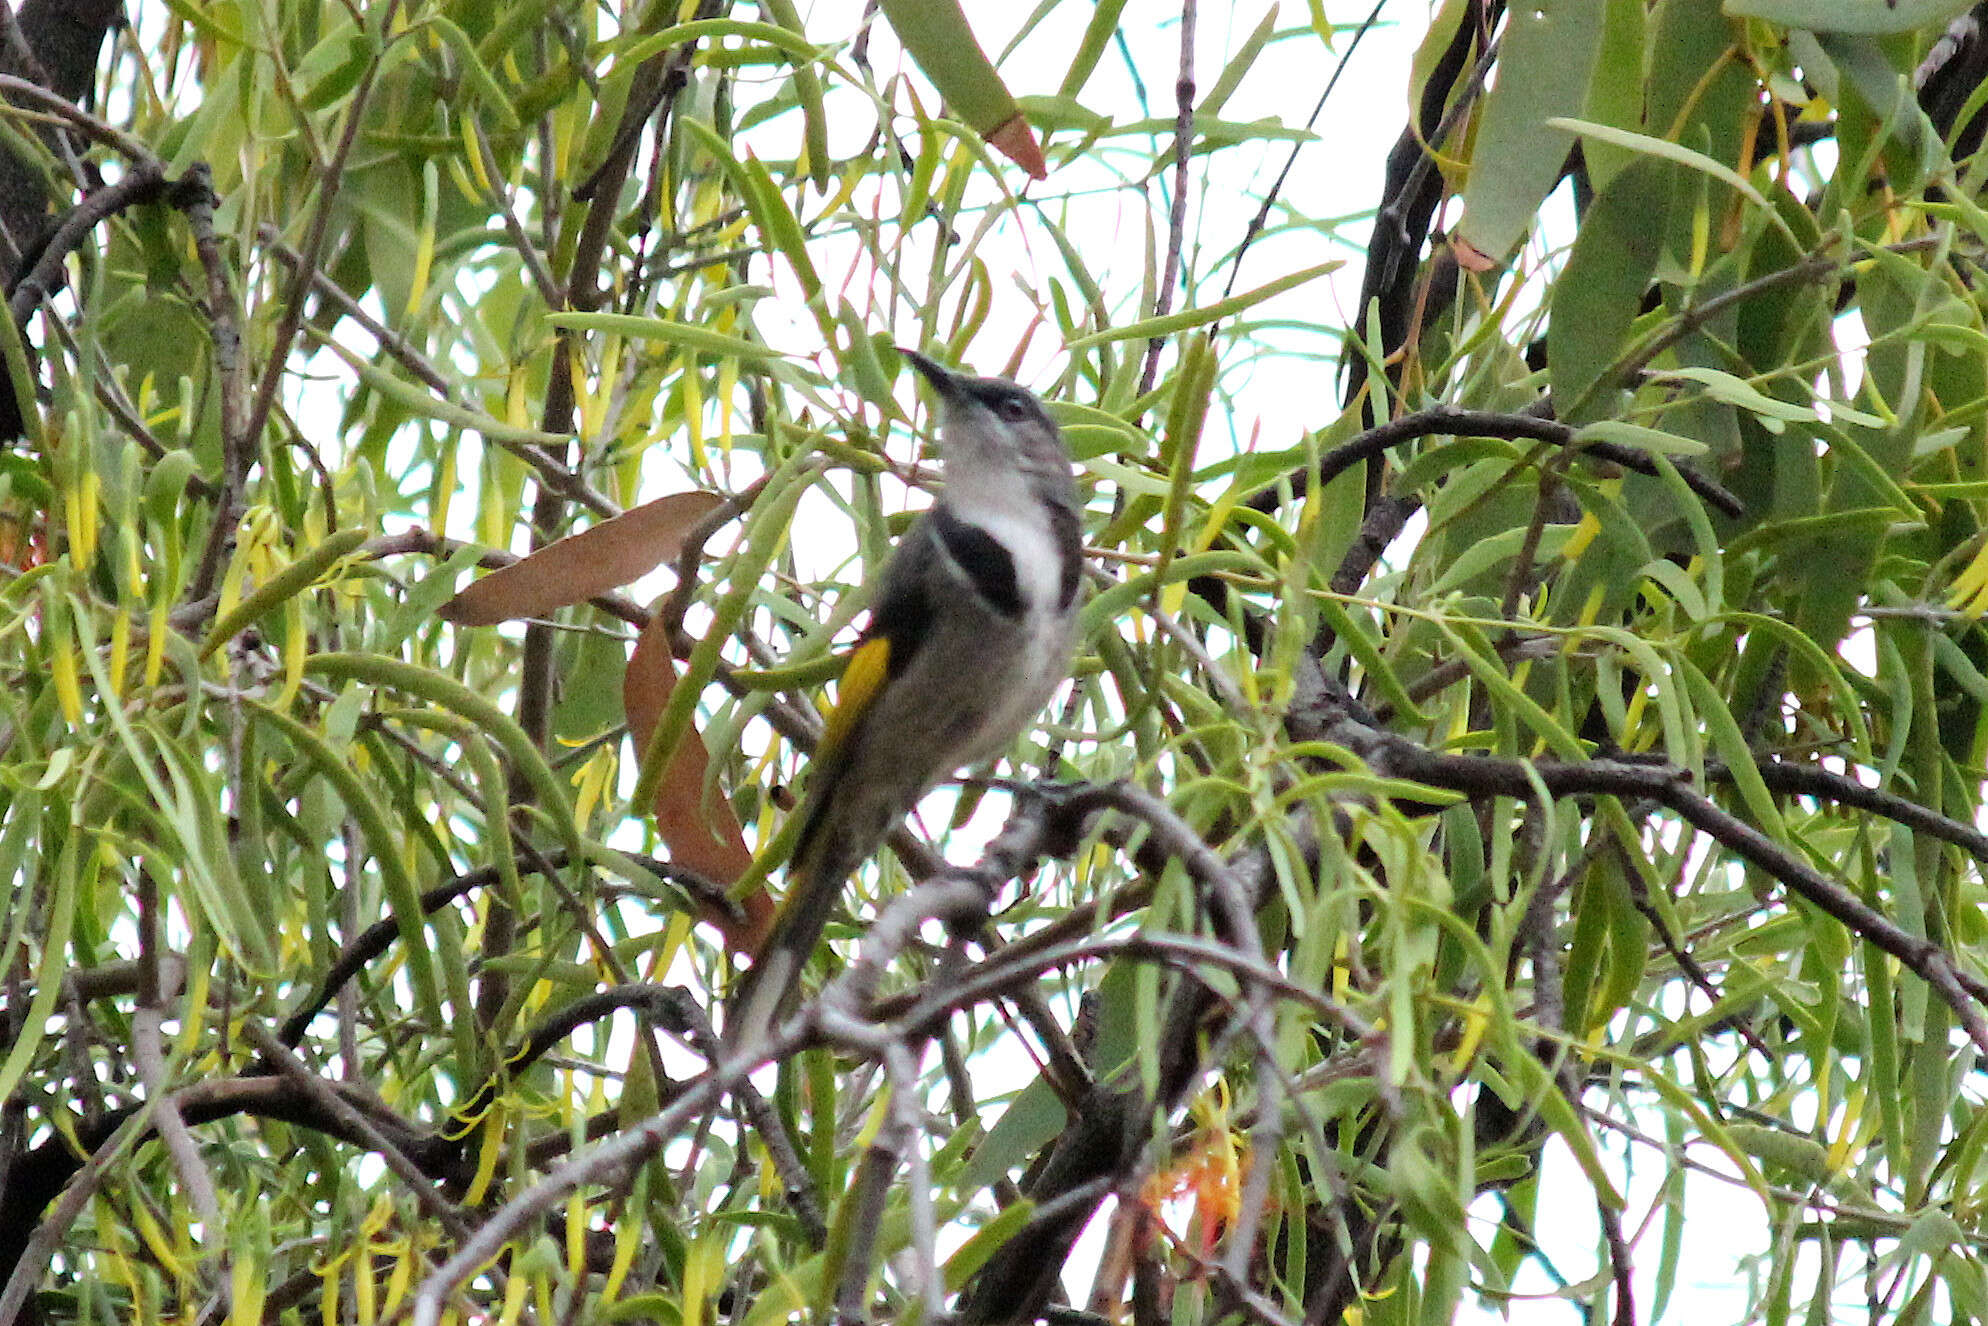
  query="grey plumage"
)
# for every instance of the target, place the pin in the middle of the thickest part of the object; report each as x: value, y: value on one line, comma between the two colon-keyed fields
x: 972, y: 626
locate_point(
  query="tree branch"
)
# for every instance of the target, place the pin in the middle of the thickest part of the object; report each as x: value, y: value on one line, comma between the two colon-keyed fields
x: 1445, y: 421
x: 1479, y: 776
x: 145, y: 182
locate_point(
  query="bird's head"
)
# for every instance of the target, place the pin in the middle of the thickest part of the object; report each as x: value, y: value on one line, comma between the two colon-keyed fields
x: 992, y: 423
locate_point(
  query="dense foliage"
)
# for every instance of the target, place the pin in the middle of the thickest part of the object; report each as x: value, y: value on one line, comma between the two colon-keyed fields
x: 1517, y: 794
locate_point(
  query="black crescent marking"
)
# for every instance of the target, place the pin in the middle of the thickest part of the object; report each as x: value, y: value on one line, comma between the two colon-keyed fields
x: 985, y: 560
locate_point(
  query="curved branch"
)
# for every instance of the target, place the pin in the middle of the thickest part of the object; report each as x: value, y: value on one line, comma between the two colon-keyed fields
x: 616, y: 1155
x: 37, y: 1176
x: 929, y: 1008
x: 361, y: 1124
x: 1446, y: 421
x: 145, y: 182
x: 1824, y: 785
x: 1481, y: 776
x: 661, y: 1003
x: 377, y: 938
x: 99, y: 131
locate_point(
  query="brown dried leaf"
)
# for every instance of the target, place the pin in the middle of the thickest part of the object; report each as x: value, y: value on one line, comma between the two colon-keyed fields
x: 1468, y: 257
x: 702, y: 833
x: 1015, y: 140
x: 597, y: 559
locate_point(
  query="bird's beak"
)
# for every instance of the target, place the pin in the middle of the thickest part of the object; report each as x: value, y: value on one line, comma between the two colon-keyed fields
x: 943, y: 380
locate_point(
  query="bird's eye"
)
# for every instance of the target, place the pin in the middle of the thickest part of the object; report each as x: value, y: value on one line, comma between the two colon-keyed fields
x: 1012, y: 408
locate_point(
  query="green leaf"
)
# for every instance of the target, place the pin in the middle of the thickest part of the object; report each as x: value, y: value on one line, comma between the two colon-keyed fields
x: 1215, y: 312
x: 1773, y: 414
x: 292, y: 580
x: 689, y: 336
x: 1545, y: 59
x: 485, y: 716
x: 1644, y: 439
x: 1667, y: 151
x: 426, y: 404
x: 61, y: 885
x: 382, y: 842
x: 1864, y: 17
x: 936, y: 35
x: 1600, y: 292
x: 1098, y: 35
x: 807, y: 90
x: 1238, y: 66
x: 1615, y: 93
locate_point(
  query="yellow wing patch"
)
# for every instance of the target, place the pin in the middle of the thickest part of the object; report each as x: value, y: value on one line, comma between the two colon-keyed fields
x: 869, y: 668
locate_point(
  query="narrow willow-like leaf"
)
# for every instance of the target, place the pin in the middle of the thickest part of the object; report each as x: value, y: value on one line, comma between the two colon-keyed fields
x: 1547, y: 56
x: 1199, y: 317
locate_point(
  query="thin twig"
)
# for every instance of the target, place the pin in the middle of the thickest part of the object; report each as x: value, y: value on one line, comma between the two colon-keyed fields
x: 867, y: 1203
x: 377, y: 938
x: 1824, y: 785
x: 194, y: 195
x: 236, y: 461
x: 678, y: 603
x: 1508, y: 647
x: 147, y: 1054
x: 1262, y: 217
x: 81, y: 1189
x: 661, y: 1004
x: 499, y: 200
x: 1183, y: 140
x: 312, y: 253
x: 933, y: 1005
x: 321, y: 1093
x: 1620, y: 1266
x: 802, y: 1193
x: 928, y: 1285
x: 131, y: 149
x: 599, y: 1163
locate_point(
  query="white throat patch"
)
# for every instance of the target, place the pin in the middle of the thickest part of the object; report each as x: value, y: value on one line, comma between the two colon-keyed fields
x: 1001, y: 504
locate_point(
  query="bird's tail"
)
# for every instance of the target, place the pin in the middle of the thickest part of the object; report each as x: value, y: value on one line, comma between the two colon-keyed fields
x: 822, y: 864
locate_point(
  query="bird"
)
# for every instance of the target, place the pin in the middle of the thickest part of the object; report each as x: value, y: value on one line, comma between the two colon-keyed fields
x: 970, y: 632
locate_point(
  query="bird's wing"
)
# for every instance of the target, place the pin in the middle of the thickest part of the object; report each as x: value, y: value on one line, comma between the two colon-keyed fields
x: 940, y: 554
x: 900, y: 624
